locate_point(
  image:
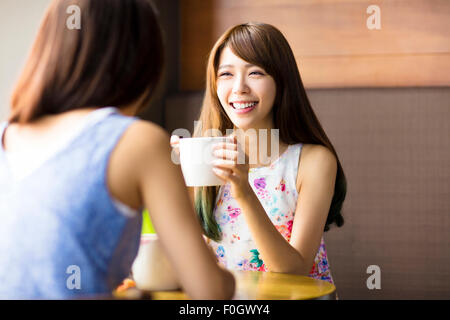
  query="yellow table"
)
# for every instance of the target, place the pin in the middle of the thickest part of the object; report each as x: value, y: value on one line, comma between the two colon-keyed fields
x: 255, y: 285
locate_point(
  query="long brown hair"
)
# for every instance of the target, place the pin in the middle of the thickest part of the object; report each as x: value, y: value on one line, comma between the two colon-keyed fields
x: 265, y: 46
x: 114, y: 59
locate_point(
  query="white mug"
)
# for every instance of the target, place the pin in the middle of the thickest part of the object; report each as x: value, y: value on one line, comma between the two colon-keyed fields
x: 151, y: 269
x: 196, y: 156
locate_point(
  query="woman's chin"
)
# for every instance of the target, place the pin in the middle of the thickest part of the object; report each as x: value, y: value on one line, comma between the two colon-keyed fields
x: 243, y: 126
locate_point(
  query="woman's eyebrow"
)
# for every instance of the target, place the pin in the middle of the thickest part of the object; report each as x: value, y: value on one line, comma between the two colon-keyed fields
x: 225, y: 66
x: 248, y: 65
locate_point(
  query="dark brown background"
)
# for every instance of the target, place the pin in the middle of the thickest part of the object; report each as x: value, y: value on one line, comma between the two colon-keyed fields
x: 384, y: 103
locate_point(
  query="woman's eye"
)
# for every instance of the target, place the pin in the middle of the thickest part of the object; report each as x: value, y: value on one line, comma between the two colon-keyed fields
x: 224, y: 74
x: 257, y: 73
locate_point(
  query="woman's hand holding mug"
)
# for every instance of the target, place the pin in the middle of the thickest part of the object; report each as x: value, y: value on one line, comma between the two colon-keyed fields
x: 228, y: 166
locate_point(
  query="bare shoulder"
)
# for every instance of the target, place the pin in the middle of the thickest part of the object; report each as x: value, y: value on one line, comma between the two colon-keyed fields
x: 145, y: 133
x: 316, y: 161
x: 141, y: 144
x: 317, y: 153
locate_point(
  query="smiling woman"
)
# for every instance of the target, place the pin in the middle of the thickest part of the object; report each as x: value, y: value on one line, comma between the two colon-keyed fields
x: 267, y: 218
x: 246, y: 92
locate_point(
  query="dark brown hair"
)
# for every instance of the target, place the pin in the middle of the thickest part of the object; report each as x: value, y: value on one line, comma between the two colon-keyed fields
x: 114, y: 59
x: 265, y: 46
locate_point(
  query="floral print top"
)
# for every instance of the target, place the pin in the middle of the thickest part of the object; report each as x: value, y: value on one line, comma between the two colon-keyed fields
x: 275, y: 187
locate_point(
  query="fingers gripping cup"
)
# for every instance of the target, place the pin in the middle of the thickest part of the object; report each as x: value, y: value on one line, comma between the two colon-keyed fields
x: 196, y: 156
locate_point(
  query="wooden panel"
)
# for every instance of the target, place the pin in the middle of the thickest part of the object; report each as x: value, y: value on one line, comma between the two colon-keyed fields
x: 376, y: 71
x: 333, y: 30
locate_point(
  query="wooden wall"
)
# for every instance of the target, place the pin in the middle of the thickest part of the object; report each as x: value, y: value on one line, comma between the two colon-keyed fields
x: 330, y: 39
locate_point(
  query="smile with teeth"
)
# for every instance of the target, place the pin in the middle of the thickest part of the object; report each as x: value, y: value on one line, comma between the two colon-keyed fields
x: 240, y: 106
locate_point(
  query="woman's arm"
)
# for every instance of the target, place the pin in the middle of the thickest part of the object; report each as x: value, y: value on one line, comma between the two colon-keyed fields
x: 318, y: 167
x: 312, y: 208
x: 161, y: 188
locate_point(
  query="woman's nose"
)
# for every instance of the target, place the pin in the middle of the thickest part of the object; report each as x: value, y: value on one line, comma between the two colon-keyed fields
x: 240, y: 86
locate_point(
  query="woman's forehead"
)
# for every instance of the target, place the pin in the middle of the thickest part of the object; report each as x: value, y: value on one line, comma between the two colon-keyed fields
x: 228, y: 59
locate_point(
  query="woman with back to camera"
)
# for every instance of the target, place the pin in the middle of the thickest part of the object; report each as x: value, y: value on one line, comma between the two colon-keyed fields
x: 269, y: 215
x: 75, y: 173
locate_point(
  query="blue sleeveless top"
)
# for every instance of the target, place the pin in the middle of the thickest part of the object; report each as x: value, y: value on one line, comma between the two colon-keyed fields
x: 61, y: 234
